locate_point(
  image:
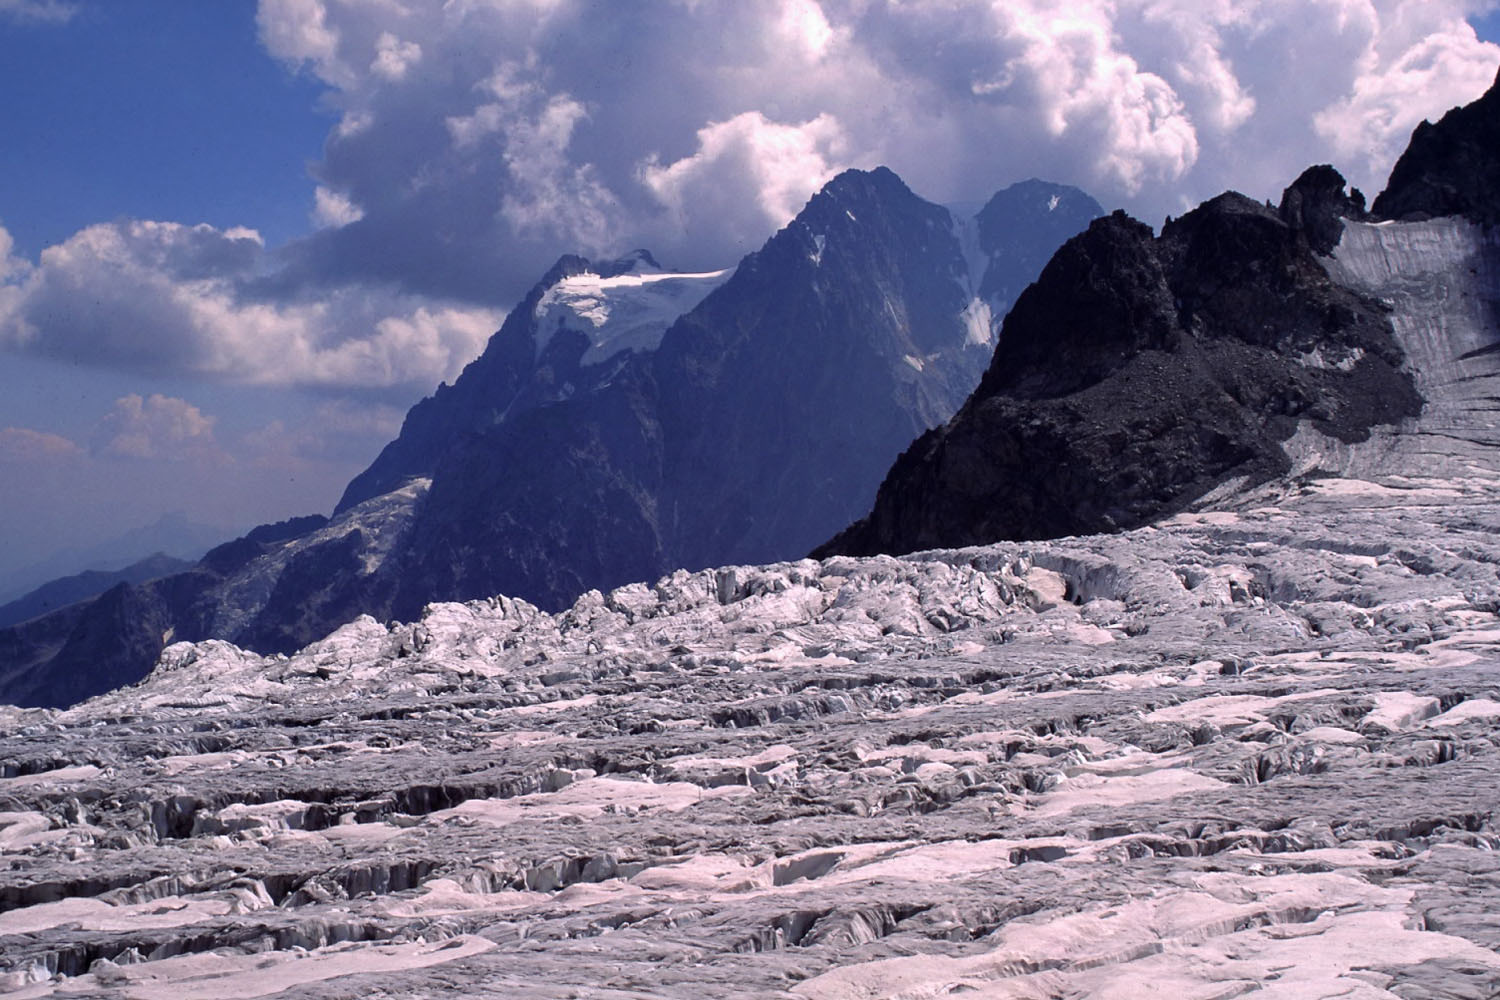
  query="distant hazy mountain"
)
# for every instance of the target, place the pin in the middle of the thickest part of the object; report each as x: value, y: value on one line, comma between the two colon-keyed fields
x: 172, y: 534
x: 80, y: 586
x: 625, y: 421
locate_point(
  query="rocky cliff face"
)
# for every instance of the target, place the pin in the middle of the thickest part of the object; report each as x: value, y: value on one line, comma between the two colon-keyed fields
x: 744, y: 427
x: 1142, y: 372
x: 1449, y: 168
x: 626, y: 420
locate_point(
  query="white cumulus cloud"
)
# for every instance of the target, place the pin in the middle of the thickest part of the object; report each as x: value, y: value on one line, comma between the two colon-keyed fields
x: 164, y: 298
x: 26, y: 446
x: 477, y: 140
x: 749, y: 175
x: 155, y: 427
x: 394, y: 57
x: 331, y: 208
x: 1421, y: 61
x: 482, y: 139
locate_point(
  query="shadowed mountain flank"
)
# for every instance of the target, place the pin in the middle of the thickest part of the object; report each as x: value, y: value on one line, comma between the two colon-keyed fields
x: 1141, y: 372
x: 1449, y: 168
x: 624, y: 421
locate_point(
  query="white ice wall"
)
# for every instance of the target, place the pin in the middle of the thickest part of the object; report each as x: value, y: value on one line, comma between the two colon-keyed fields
x: 1441, y: 279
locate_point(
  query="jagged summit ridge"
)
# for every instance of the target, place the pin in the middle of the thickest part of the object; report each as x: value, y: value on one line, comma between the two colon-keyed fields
x: 1449, y: 168
x: 764, y: 411
x: 1141, y: 372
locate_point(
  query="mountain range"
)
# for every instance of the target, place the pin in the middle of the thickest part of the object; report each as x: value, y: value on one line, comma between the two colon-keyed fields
x: 68, y: 590
x: 625, y: 421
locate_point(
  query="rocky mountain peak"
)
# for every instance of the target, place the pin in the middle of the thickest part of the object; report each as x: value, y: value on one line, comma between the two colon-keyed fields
x: 1115, y: 305
x: 1316, y: 204
x: 1141, y: 372
x: 627, y: 420
x: 1451, y: 167
x: 631, y: 262
x: 566, y: 266
x: 854, y: 187
x: 1008, y: 227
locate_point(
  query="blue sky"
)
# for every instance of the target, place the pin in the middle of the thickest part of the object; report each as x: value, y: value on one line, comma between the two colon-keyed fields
x: 238, y: 239
x: 155, y: 109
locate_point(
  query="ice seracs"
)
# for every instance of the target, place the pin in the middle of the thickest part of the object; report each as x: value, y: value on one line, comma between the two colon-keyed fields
x: 1234, y: 748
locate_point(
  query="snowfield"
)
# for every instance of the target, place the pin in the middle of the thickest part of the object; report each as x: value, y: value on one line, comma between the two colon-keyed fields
x: 625, y: 312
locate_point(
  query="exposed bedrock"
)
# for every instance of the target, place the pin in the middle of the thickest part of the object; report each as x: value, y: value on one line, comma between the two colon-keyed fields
x: 1141, y: 372
x: 624, y: 421
x: 1143, y: 375
x: 1450, y: 167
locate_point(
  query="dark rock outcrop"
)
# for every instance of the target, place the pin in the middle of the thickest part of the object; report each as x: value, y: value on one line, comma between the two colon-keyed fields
x: 1140, y: 372
x: 1317, y: 205
x: 1450, y: 168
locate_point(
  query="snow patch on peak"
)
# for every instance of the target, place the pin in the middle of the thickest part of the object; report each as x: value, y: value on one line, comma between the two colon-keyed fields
x: 966, y: 232
x: 629, y: 311
x: 1052, y: 203
x: 819, y: 242
x: 978, y: 321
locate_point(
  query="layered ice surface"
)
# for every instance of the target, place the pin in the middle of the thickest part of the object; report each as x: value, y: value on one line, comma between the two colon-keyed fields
x: 1192, y: 758
x: 624, y: 312
x: 1441, y: 281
